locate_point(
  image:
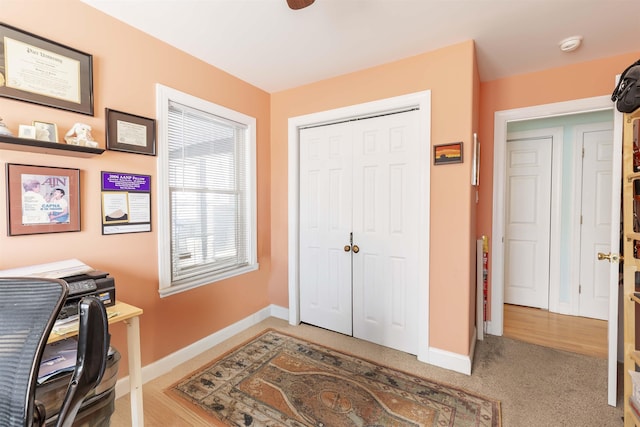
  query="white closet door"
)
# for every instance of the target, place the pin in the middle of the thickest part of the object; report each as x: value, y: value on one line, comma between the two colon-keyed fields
x: 595, y: 233
x: 385, y: 220
x: 325, y: 225
x: 528, y: 221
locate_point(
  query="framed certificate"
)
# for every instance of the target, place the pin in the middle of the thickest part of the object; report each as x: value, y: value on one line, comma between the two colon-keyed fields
x: 130, y: 133
x: 44, y: 72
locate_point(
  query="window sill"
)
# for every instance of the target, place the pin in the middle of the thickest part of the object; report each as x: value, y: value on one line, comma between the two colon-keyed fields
x: 169, y: 290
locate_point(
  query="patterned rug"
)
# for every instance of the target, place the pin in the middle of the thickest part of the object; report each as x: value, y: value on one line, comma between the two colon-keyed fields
x: 278, y: 380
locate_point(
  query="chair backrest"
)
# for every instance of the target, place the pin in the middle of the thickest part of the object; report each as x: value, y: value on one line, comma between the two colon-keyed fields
x: 28, y: 309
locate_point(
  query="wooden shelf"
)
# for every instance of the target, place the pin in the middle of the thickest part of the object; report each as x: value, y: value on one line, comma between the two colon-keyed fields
x: 36, y: 146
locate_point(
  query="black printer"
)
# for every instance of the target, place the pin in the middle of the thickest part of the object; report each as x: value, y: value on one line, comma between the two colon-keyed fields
x: 92, y: 283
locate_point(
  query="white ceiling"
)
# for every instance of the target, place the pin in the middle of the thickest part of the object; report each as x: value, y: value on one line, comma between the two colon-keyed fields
x: 265, y: 43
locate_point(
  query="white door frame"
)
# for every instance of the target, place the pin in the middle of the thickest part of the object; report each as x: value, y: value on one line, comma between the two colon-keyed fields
x: 496, y: 325
x: 421, y: 100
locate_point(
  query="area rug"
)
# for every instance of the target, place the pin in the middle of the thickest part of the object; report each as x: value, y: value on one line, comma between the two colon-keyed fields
x: 278, y: 380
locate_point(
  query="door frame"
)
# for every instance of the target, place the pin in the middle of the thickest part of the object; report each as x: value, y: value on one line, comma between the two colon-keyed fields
x: 421, y: 100
x: 496, y: 325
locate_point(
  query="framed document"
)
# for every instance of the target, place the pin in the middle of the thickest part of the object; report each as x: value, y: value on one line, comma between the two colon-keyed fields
x: 42, y: 199
x: 130, y: 133
x: 41, y: 71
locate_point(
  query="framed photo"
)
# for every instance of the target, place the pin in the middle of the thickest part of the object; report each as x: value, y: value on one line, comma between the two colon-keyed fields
x: 44, y: 72
x: 130, y: 133
x: 447, y: 153
x: 46, y: 131
x: 42, y: 199
x: 27, y: 131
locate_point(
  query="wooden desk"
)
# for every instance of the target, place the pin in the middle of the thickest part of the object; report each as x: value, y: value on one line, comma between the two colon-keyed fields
x: 120, y: 312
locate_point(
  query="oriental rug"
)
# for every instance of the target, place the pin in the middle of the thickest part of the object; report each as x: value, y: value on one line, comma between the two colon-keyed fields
x: 278, y: 380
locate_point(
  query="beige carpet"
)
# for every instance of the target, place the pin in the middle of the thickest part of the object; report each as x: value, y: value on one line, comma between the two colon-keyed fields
x: 536, y: 386
x: 276, y: 379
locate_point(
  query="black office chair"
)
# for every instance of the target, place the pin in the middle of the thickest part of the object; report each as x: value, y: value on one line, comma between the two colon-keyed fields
x: 28, y: 310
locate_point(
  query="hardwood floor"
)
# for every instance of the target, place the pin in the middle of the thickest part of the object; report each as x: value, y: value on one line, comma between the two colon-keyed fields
x: 569, y: 333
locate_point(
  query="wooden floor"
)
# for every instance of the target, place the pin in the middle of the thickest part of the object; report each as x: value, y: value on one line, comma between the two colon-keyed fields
x: 570, y: 333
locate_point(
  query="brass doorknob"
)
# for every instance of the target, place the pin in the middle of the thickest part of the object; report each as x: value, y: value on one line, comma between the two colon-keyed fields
x: 356, y: 249
x: 347, y: 248
x: 610, y: 257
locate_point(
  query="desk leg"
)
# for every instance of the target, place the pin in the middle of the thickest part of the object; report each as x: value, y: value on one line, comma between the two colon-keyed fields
x: 135, y: 370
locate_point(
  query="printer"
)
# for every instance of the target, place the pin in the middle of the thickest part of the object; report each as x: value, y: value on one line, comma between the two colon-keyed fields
x: 82, y: 280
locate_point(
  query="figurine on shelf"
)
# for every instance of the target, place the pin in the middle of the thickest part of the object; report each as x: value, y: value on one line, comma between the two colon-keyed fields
x: 4, y: 130
x: 80, y: 134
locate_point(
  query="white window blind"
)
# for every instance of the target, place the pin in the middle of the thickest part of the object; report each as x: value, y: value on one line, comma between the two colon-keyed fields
x: 209, y: 173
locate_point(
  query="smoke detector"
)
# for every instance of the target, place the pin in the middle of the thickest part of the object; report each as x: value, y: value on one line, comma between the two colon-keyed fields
x: 570, y: 43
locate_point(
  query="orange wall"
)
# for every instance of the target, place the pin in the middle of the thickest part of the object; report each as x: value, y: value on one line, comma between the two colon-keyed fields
x: 127, y: 65
x: 450, y: 75
x: 585, y: 80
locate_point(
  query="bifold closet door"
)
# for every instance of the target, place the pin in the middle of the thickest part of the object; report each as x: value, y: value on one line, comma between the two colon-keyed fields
x: 359, y: 215
x: 325, y: 225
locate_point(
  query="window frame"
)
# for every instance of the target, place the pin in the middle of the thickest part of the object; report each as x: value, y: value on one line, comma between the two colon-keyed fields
x: 164, y: 95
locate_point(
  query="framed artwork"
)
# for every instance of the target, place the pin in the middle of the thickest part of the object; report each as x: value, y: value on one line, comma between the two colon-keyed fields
x: 27, y: 131
x: 447, y: 153
x: 42, y: 199
x: 130, y: 133
x: 46, y: 131
x: 44, y: 72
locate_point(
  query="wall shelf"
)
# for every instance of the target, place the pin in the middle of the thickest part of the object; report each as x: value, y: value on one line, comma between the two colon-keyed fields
x: 36, y: 146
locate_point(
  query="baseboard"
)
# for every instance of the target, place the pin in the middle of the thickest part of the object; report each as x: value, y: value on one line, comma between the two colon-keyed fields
x: 453, y: 361
x: 166, y: 364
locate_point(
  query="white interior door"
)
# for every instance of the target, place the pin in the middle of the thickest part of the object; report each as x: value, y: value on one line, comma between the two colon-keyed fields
x: 361, y: 177
x: 385, y: 219
x: 597, y: 147
x: 528, y: 221
x: 325, y: 225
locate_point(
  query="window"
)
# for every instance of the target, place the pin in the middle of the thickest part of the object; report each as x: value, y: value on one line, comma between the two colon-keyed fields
x: 207, y: 200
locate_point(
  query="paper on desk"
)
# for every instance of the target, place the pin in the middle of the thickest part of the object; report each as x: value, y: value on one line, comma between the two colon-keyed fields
x: 52, y: 270
x: 58, y: 357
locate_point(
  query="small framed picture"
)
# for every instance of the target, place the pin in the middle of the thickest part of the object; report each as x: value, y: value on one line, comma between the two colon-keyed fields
x: 130, y: 133
x: 447, y: 153
x: 27, y: 131
x: 46, y: 131
x: 42, y: 199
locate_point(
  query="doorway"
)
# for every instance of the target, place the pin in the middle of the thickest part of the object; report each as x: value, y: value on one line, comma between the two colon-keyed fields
x: 502, y: 119
x: 558, y: 207
x: 421, y: 101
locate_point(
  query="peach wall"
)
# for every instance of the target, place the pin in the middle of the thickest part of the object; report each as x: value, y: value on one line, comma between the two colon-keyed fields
x: 585, y: 80
x: 127, y: 65
x: 449, y: 74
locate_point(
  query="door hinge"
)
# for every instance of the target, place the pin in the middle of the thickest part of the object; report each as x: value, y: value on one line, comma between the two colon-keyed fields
x: 579, y: 289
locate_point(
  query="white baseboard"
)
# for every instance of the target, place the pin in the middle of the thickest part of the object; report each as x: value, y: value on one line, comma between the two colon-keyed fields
x: 453, y: 361
x: 166, y: 364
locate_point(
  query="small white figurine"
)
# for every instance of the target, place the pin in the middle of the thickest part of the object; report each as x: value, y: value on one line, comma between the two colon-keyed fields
x: 80, y: 134
x: 4, y: 130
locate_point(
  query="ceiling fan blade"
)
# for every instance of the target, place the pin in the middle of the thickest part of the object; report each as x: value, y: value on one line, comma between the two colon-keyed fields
x: 299, y: 4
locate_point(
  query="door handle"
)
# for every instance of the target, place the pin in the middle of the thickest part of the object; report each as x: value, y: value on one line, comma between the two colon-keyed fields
x: 610, y: 257
x: 356, y: 249
x: 347, y: 248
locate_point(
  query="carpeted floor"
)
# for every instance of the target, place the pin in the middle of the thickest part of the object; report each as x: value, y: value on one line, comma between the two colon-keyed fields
x: 277, y: 379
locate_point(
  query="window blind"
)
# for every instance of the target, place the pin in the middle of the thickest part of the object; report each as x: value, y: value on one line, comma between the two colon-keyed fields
x: 208, y: 187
